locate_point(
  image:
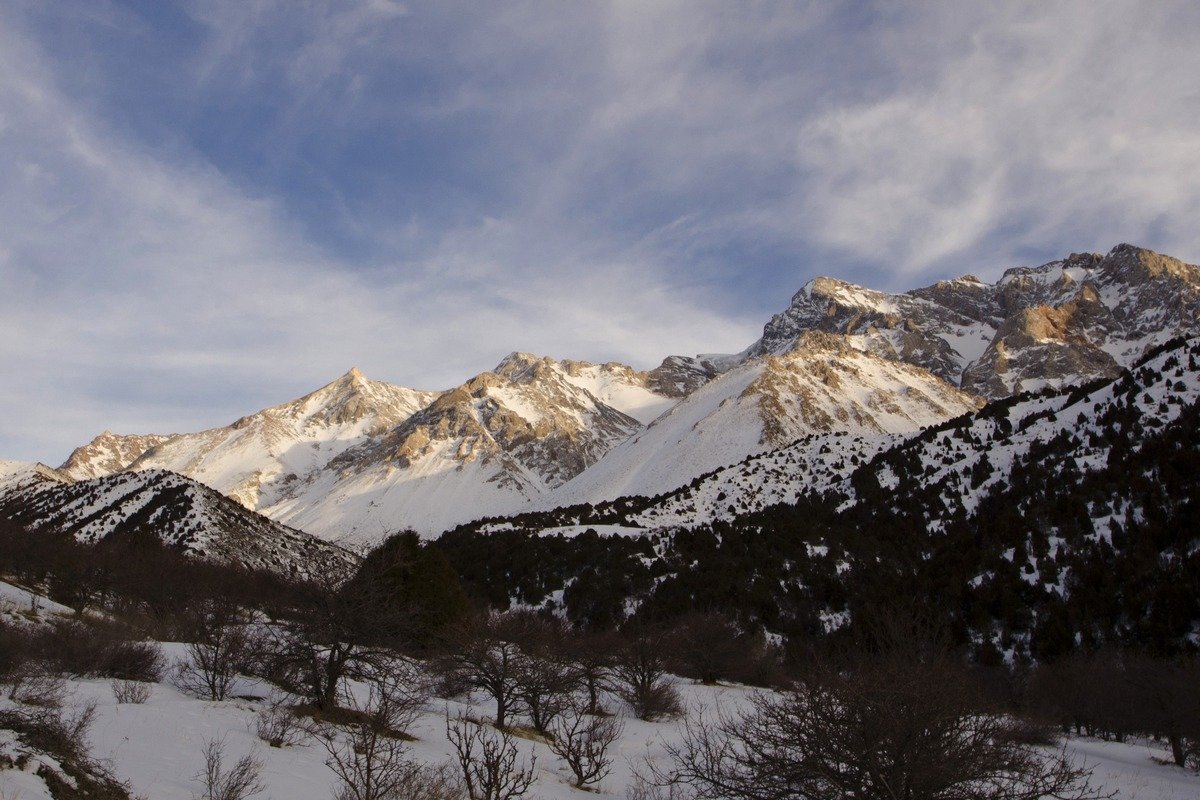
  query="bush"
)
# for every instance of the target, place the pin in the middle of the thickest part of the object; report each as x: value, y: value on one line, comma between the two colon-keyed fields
x: 583, y: 741
x: 891, y: 725
x: 36, y: 683
x: 640, y: 678
x: 214, y: 662
x: 279, y: 725
x: 100, y: 651
x: 489, y: 761
x: 369, y: 754
x: 131, y: 692
x: 235, y: 783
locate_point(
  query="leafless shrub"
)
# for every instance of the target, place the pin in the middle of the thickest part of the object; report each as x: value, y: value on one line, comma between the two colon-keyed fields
x: 278, y: 725
x: 213, y: 663
x: 62, y: 734
x: 102, y: 650
x: 133, y: 692
x: 36, y: 683
x: 640, y: 678
x: 240, y: 781
x: 895, y: 726
x: 643, y: 788
x: 369, y: 757
x: 489, y: 761
x: 400, y: 691
x: 583, y: 741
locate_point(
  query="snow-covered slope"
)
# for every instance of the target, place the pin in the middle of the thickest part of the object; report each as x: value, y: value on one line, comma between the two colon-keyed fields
x: 181, y: 512
x: 822, y: 385
x: 961, y: 461
x: 156, y: 747
x: 1068, y: 432
x: 488, y: 446
x: 15, y: 475
x: 258, y: 458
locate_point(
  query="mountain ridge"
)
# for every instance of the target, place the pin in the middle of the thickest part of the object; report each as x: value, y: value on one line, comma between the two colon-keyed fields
x: 360, y: 458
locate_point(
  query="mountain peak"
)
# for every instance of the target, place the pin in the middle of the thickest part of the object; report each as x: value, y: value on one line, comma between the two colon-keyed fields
x: 517, y: 365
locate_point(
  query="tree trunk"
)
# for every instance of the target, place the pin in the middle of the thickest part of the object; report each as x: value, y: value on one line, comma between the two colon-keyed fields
x: 1177, y: 748
x: 501, y: 711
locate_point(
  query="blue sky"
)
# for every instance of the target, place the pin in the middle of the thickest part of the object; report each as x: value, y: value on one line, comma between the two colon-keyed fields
x: 210, y: 207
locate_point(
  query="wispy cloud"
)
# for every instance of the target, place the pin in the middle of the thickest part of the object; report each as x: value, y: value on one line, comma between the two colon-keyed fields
x: 1043, y: 124
x: 208, y: 207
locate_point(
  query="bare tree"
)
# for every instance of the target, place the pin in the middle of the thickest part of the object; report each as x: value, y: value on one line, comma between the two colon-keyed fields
x: 640, y: 677
x: 709, y: 647
x: 593, y: 656
x: 487, y: 656
x: 899, y: 726
x: 237, y: 783
x: 583, y: 741
x: 546, y: 676
x: 400, y: 691
x: 369, y: 757
x: 490, y: 764
x: 213, y: 663
x: 333, y: 641
x: 1167, y: 694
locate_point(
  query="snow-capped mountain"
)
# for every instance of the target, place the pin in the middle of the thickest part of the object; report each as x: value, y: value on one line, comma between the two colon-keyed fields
x: 954, y: 463
x: 495, y: 442
x: 819, y: 386
x: 1064, y: 322
x: 359, y: 458
x: 108, y: 453
x: 181, y: 512
x: 257, y: 458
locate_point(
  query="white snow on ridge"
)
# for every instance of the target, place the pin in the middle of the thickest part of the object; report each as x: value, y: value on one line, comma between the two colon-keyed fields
x: 818, y: 388
x: 627, y: 397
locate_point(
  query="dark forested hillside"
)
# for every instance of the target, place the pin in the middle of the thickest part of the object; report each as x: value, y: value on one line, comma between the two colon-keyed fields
x: 1042, y: 523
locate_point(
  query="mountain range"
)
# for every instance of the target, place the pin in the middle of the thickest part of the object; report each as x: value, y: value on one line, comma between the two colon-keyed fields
x: 843, y: 374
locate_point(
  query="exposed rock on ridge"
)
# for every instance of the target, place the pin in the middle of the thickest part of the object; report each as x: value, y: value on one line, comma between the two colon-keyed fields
x: 1076, y: 319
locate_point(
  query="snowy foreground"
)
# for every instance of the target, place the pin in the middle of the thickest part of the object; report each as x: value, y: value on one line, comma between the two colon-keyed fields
x: 156, y: 748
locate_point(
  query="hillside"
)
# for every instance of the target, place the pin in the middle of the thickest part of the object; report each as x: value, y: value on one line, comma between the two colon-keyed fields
x: 182, y: 513
x: 1065, y: 513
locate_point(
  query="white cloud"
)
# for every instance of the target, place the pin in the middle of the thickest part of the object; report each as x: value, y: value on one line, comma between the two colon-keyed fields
x: 152, y: 295
x: 1048, y: 122
x: 616, y: 146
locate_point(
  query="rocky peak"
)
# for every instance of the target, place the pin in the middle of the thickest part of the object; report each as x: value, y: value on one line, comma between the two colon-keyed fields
x: 1132, y: 265
x: 679, y: 376
x: 825, y: 384
x: 520, y: 366
x: 108, y: 453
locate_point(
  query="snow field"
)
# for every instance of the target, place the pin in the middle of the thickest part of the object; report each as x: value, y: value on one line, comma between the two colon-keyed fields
x: 157, y: 748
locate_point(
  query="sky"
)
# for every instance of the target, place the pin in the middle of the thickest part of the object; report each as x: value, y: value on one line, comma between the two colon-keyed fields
x: 211, y: 207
